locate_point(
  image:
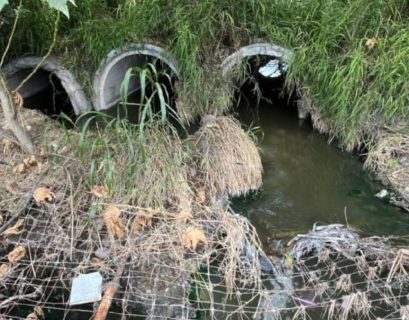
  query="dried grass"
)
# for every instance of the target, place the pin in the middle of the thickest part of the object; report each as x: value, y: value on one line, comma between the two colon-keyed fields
x: 78, y: 230
x: 389, y: 157
x: 229, y: 162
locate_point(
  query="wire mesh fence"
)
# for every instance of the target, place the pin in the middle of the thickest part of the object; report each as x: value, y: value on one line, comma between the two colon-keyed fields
x: 328, y: 273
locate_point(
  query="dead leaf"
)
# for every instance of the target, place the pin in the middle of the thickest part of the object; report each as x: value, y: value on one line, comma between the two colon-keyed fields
x: 14, y: 230
x: 371, y: 43
x: 39, y: 311
x: 43, y: 195
x: 100, y: 191
x: 32, y: 316
x: 192, y: 237
x: 27, y: 165
x: 1, y: 220
x: 183, y: 216
x: 113, y: 221
x: 143, y: 219
x: 4, y: 270
x: 17, y: 254
x: 200, y: 195
x: 21, y: 168
x: 18, y: 100
x: 98, y: 263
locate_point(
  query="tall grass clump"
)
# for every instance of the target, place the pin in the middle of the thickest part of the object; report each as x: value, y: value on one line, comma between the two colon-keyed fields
x: 228, y: 162
x: 147, y: 170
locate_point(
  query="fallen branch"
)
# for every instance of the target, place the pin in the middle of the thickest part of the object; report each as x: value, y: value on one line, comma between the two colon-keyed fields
x: 110, y: 292
x: 32, y: 295
x: 10, y: 114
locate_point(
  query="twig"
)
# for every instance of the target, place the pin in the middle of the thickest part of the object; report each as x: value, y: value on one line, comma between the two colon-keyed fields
x: 23, y: 205
x: 10, y: 114
x: 110, y: 292
x: 13, y: 31
x: 32, y: 295
x: 38, y: 66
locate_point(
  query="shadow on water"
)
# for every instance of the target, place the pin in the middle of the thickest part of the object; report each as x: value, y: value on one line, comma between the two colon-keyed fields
x: 307, y: 180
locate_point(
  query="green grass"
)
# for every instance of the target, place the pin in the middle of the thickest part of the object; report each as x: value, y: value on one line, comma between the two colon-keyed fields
x: 355, y: 88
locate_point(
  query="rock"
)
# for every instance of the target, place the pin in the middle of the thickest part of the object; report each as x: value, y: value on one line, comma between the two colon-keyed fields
x: 404, y: 160
x: 382, y: 194
x: 102, y: 253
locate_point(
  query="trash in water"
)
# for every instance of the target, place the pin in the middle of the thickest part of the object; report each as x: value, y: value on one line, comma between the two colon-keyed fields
x: 86, y: 288
x: 272, y: 69
x: 382, y: 194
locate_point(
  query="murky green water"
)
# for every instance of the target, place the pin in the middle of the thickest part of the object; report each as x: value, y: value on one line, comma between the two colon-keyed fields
x: 307, y: 180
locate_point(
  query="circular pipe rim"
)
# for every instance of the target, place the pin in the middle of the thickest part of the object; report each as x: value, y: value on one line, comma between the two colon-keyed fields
x: 79, y: 100
x: 116, y: 55
x: 260, y: 48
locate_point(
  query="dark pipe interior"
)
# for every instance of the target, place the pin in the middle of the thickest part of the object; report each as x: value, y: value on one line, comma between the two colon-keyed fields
x: 51, y: 98
x: 256, y: 87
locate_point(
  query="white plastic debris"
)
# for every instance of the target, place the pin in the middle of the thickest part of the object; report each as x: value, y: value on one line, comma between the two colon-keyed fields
x: 382, y: 194
x: 271, y: 69
x: 86, y: 288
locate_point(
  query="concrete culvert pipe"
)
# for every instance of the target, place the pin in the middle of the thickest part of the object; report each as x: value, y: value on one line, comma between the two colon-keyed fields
x: 52, y: 89
x: 257, y: 49
x: 270, y: 62
x: 111, y: 74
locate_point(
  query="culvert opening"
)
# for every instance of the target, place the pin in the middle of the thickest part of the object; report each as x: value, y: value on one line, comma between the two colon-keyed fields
x: 261, y: 84
x: 44, y: 92
x: 137, y: 84
x: 148, y: 90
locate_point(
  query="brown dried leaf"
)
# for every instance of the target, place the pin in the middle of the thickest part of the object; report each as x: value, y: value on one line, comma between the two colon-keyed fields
x: 27, y: 165
x: 21, y: 168
x: 17, y: 254
x: 1, y: 220
x: 143, y: 219
x: 4, y: 270
x: 39, y: 311
x: 183, y: 216
x: 114, y: 222
x: 371, y: 43
x: 100, y: 191
x: 32, y: 316
x: 14, y: 230
x: 43, y: 195
x: 200, y: 195
x: 98, y: 263
x: 18, y: 100
x: 192, y: 237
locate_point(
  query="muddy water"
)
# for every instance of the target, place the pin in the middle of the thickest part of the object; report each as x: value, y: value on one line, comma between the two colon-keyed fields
x: 307, y: 180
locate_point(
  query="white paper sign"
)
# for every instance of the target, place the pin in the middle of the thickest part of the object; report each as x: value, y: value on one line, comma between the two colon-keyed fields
x: 86, y: 288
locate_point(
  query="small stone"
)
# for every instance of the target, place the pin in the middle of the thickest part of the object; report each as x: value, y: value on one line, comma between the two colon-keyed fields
x: 102, y: 253
x: 404, y: 160
x: 382, y: 194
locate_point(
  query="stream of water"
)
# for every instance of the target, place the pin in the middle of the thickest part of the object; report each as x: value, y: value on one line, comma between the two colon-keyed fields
x: 307, y: 180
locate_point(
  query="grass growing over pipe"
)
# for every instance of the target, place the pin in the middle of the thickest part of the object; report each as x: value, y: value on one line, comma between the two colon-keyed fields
x: 355, y: 86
